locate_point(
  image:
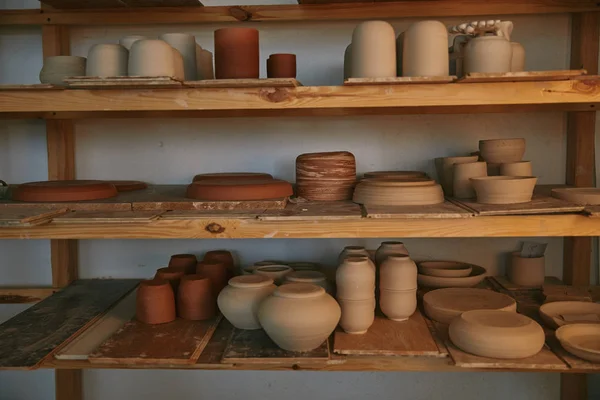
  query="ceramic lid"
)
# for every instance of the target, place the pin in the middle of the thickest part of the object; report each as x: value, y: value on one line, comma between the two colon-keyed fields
x: 299, y: 291
x: 68, y: 190
x: 239, y: 189
x: 306, y: 276
x: 392, y: 243
x: 250, y: 281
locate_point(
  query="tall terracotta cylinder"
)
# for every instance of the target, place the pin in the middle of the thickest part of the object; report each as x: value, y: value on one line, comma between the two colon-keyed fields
x: 281, y: 66
x: 373, y: 50
x: 195, y: 299
x: 236, y: 53
x: 224, y: 257
x: 155, y: 302
x: 171, y: 275
x: 185, y: 261
x: 216, y: 272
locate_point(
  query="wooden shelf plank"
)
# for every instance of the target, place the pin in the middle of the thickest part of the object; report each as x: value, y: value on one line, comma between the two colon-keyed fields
x: 79, y: 4
x: 22, y: 295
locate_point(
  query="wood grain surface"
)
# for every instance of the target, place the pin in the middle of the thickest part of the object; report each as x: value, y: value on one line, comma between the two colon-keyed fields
x: 539, y: 204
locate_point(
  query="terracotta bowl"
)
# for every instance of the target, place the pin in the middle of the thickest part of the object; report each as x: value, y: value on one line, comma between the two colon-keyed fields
x: 498, y: 151
x: 504, y: 189
x: 371, y: 193
x: 395, y: 174
x: 476, y: 276
x: 518, y: 168
x: 451, y: 269
x: 57, y: 191
x: 581, y: 340
x: 239, y: 190
x: 584, y: 196
x: 552, y: 313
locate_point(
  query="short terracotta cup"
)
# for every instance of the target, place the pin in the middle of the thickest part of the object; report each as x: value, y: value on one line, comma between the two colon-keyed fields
x: 236, y: 53
x: 186, y: 261
x: 195, y: 299
x: 155, y: 302
x: 217, y: 272
x: 281, y: 66
x: 171, y: 275
x: 221, y: 256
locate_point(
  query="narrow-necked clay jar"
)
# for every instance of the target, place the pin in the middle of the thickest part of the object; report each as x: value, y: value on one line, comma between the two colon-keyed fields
x: 425, y: 50
x: 107, y: 60
x: 186, y: 261
x: 518, y: 168
x: 445, y: 170
x: 236, y: 53
x: 463, y: 172
x: 355, y: 279
x: 57, y: 68
x: 153, y: 58
x: 299, y: 316
x: 387, y: 249
x: 186, y: 45
x: 354, y: 251
x: 525, y: 271
x: 348, y: 62
x: 217, y: 272
x: 518, y: 57
x: 398, y: 272
x: 204, y: 64
x: 195, y: 299
x: 314, y: 277
x: 357, y: 315
x: 275, y: 272
x: 281, y: 66
x: 155, y: 302
x: 488, y: 54
x: 171, y: 275
x: 222, y: 256
x: 239, y: 301
x: 374, y: 50
x: 128, y: 41
x: 398, y: 305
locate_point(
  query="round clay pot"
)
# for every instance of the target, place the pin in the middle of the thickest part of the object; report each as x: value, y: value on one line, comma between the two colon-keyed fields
x: 239, y: 301
x: 425, y: 50
x: 236, y: 53
x: 449, y: 269
x: 500, y: 151
x: 355, y: 251
x: 374, y: 50
x: 581, y: 340
x: 462, y: 174
x: 488, y: 54
x: 519, y: 168
x: 217, y: 272
x: 238, y: 190
x: 518, y: 57
x: 155, y: 58
x: 299, y: 316
x: 236, y: 176
x: 348, y: 62
x: 527, y: 271
x: 57, y: 191
x: 107, y: 60
x: 204, y: 64
x: 398, y: 305
x: 380, y: 192
x: 186, y: 45
x: 221, y: 256
x: 398, y: 272
x: 445, y: 170
x: 314, y: 277
x: 387, y: 249
x: 155, y: 302
x: 504, y: 189
x: 357, y: 315
x: 281, y: 66
x: 195, y: 299
x: 275, y: 272
x: 128, y: 41
x: 57, y: 68
x: 186, y: 261
x: 171, y: 275
x: 399, y: 175
x: 129, y: 186
x: 355, y: 279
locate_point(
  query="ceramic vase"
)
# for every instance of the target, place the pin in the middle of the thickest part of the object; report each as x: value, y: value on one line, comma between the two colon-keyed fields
x: 355, y: 279
x: 299, y: 316
x: 519, y: 168
x: 128, y: 41
x: 518, y: 57
x: 313, y: 277
x: 155, y: 302
x: 348, y: 62
x: 462, y: 174
x: 445, y: 170
x: 525, y: 271
x: 195, y: 299
x: 387, y: 249
x: 217, y: 272
x: 236, y: 53
x: 374, y: 50
x: 186, y: 45
x: 275, y: 272
x: 107, y: 60
x: 488, y: 54
x: 57, y: 68
x: 154, y: 58
x: 241, y: 298
x: 171, y: 275
x: 425, y: 50
x: 281, y: 66
x: 221, y: 256
x: 357, y: 315
x: 354, y: 251
x: 398, y: 305
x: 398, y: 272
x: 204, y: 64
x: 185, y: 261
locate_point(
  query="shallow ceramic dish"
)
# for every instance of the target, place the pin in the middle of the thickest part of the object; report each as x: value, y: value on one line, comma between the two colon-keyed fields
x: 552, y: 313
x: 585, y: 196
x: 476, y: 276
x: 504, y: 189
x: 239, y: 190
x: 72, y: 190
x: 452, y: 269
x: 443, y: 305
x: 581, y: 340
x: 498, y: 151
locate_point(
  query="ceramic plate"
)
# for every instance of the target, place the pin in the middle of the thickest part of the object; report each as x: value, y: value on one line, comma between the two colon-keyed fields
x: 477, y: 275
x: 581, y: 340
x: 453, y: 269
x: 552, y: 313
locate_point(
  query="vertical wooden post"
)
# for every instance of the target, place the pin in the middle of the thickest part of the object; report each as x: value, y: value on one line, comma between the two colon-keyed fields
x: 60, y: 139
x: 581, y: 165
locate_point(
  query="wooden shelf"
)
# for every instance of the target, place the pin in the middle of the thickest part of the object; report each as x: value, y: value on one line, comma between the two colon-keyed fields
x: 571, y: 95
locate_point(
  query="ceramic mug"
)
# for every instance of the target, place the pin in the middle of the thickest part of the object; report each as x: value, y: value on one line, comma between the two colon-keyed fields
x: 57, y: 68
x: 107, y: 60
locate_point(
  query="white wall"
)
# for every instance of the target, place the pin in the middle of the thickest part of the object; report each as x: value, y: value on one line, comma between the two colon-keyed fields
x: 173, y: 150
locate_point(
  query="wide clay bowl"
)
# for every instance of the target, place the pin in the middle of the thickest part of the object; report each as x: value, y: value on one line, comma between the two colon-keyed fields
x: 584, y: 196
x: 75, y: 190
x: 559, y: 313
x: 443, y: 305
x: 504, y: 189
x: 395, y: 174
x: 581, y: 340
x: 498, y: 151
x: 57, y: 68
x: 497, y: 334
x: 239, y: 190
x: 452, y: 269
x: 232, y: 176
x: 371, y: 193
x: 476, y: 276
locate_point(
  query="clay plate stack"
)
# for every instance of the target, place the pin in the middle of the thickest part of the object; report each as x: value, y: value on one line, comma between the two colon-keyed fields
x: 326, y: 176
x: 395, y: 192
x: 444, y: 280
x: 232, y: 175
x: 400, y: 175
x: 239, y: 190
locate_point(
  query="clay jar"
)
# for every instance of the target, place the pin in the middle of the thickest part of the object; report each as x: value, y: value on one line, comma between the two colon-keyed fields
x: 155, y: 58
x: 281, y: 66
x: 518, y: 168
x: 425, y: 50
x: 236, y: 53
x: 275, y: 272
x: 445, y: 170
x: 239, y: 301
x: 299, y: 316
x: 488, y: 54
x: 195, y: 299
x: 355, y: 279
x: 128, y: 41
x: 187, y: 262
x: 525, y: 271
x: 387, y: 249
x: 217, y: 272
x: 57, y: 68
x: 374, y: 50
x: 354, y: 251
x: 307, y: 276
x: 398, y: 272
x: 204, y: 64
x: 107, y: 60
x: 398, y: 305
x: 186, y: 45
x: 155, y: 302
x: 357, y: 315
x: 518, y: 57
x: 221, y: 256
x: 462, y: 187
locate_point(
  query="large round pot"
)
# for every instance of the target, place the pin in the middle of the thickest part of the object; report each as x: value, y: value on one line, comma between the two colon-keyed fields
x: 239, y: 301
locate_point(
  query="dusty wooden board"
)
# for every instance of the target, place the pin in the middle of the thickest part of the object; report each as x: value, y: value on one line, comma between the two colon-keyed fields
x: 214, y: 350
x: 314, y: 210
x: 400, y: 80
x: 255, y: 347
x: 539, y: 204
x: 80, y: 347
x: 442, y: 210
x: 122, y: 82
x: 439, y: 341
x: 35, y: 86
x: 389, y: 338
x: 28, y: 338
x: 201, y: 214
x: 571, y: 360
x: 28, y: 217
x: 243, y: 83
x: 83, y: 217
x: 87, y: 4
x: 178, y: 342
x: 524, y: 76
x: 508, y: 285
x: 592, y: 211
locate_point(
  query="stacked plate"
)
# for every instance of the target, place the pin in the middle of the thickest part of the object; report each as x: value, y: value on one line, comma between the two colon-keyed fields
x: 326, y: 176
x: 398, y: 192
x: 400, y: 175
x: 445, y: 274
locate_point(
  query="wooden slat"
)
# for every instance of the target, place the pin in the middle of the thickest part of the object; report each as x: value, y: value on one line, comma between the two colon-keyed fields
x: 435, y: 211
x: 539, y: 204
x: 523, y: 76
x: 18, y: 295
x: 400, y: 80
x: 116, y: 217
x: 122, y: 82
x: 243, y: 83
x: 314, y: 211
x: 28, y: 217
x: 86, y: 4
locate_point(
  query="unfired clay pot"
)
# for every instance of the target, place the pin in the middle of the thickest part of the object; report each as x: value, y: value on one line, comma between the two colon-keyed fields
x: 195, y: 299
x: 425, y: 50
x: 236, y: 53
x: 398, y: 272
x: 299, y: 316
x: 518, y: 168
x: 357, y: 315
x: 581, y: 340
x: 217, y: 272
x: 171, y: 275
x: 186, y: 45
x: 462, y: 174
x: 518, y: 57
x: 221, y: 256
x: 525, y: 271
x: 374, y: 50
x: 445, y: 170
x: 186, y: 261
x: 275, y: 272
x: 355, y: 279
x: 107, y: 60
x: 387, y: 249
x: 348, y: 62
x: 155, y: 302
x: 398, y: 305
x: 155, y: 58
x: 204, y: 64
x: 313, y: 277
x: 128, y: 41
x: 488, y: 54
x: 240, y: 300
x: 354, y: 251
x: 499, y: 151
x: 281, y: 66
x: 504, y: 189
x: 57, y: 68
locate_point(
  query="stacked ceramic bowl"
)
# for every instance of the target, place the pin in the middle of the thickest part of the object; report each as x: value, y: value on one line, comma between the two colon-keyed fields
x: 326, y: 176
x: 396, y: 192
x: 443, y: 274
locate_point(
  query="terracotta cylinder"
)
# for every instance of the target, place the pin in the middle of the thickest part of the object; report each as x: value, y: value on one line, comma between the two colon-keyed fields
x: 216, y: 272
x: 425, y: 50
x: 398, y: 272
x: 398, y: 305
x: 186, y: 261
x: 155, y: 302
x: 281, y: 66
x: 195, y: 299
x: 387, y: 249
x: 357, y: 315
x: 527, y: 271
x: 374, y: 50
x: 518, y: 57
x: 239, y: 301
x: 462, y: 174
x: 488, y: 54
x: 224, y: 257
x: 236, y: 53
x: 171, y: 275
x: 355, y: 279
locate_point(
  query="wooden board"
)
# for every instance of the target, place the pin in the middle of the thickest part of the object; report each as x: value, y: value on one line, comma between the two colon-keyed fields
x: 83, y: 217
x: 113, y: 204
x: 214, y: 350
x: 23, y: 295
x: 314, y: 210
x: 539, y: 204
x: 592, y: 211
x: 28, y: 217
x: 86, y: 4
x: 508, y: 285
x: 243, y: 83
x: 35, y: 86
x: 571, y: 360
x: 80, y: 347
x: 400, y: 80
x: 443, y: 210
x: 255, y: 347
x: 524, y: 76
x: 389, y: 338
x: 31, y: 336
x: 122, y: 82
x: 202, y: 214
x: 177, y: 342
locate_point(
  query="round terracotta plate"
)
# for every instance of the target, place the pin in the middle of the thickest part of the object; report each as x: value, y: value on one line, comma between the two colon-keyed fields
x: 129, y: 186
x: 232, y: 175
x: 75, y: 190
x: 239, y: 190
x: 582, y: 340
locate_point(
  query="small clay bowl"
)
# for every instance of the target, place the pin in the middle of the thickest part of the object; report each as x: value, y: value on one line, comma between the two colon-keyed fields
x: 452, y: 269
x: 498, y: 151
x: 504, y: 189
x: 155, y: 302
x: 275, y: 272
x: 476, y: 276
x: 186, y: 261
x: 217, y: 272
x: 195, y: 299
x: 57, y: 191
x: 582, y: 340
x: 171, y: 275
x: 232, y: 175
x: 221, y: 256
